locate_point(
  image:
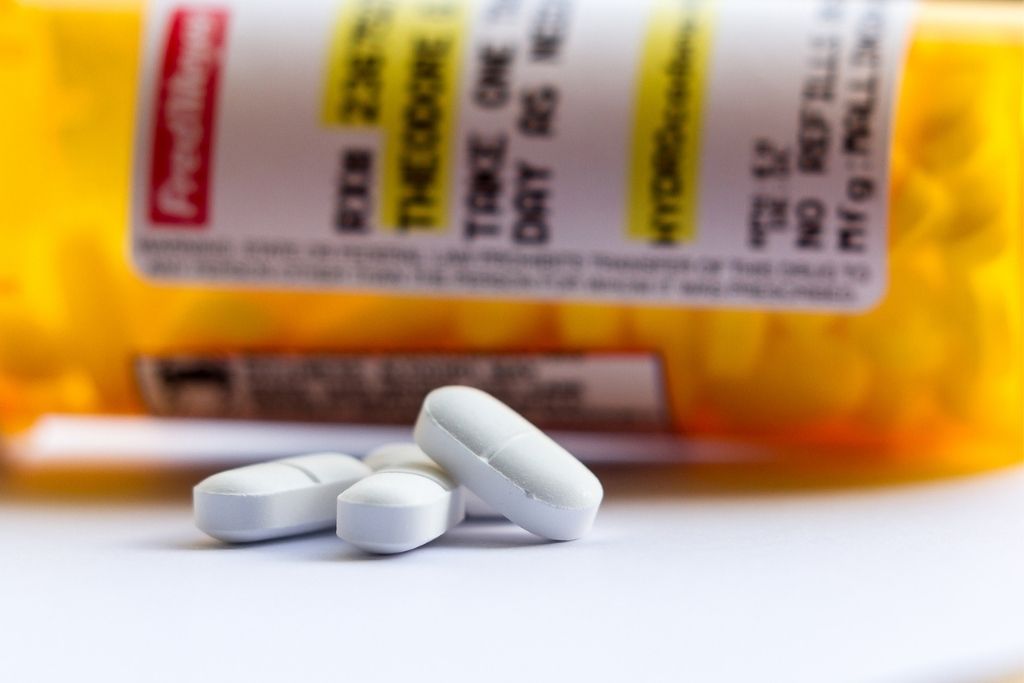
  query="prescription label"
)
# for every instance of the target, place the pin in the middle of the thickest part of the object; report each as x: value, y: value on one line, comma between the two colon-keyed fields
x: 690, y: 152
x: 593, y: 391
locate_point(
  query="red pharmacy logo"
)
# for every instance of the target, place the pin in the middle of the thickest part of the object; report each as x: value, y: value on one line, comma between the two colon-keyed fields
x: 179, y: 182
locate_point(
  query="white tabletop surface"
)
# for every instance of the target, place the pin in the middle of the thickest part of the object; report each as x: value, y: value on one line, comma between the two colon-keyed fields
x: 680, y: 580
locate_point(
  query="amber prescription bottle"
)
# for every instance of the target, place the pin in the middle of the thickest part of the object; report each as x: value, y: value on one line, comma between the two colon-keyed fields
x: 790, y: 225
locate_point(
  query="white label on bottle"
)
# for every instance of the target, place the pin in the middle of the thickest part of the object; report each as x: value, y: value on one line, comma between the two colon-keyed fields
x: 590, y: 391
x: 695, y: 152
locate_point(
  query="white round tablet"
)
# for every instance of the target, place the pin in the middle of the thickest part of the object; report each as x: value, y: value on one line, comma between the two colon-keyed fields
x: 408, y: 501
x: 514, y: 467
x: 274, y: 499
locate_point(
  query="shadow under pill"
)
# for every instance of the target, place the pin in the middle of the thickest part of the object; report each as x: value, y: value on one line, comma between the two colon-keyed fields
x: 350, y: 553
x: 475, y: 536
x: 489, y: 535
x: 285, y: 545
x: 326, y: 546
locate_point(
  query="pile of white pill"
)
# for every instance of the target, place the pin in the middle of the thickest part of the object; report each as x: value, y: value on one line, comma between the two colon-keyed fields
x: 472, y: 452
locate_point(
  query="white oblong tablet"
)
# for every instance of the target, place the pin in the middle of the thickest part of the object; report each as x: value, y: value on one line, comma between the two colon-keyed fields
x: 514, y: 467
x: 395, y: 453
x: 408, y: 501
x: 405, y: 451
x: 274, y: 499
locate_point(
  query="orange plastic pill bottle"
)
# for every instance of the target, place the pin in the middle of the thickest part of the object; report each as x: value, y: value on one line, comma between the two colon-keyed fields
x: 793, y: 226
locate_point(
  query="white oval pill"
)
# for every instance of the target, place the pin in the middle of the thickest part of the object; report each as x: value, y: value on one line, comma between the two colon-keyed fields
x: 397, y: 452
x: 407, y: 502
x: 514, y: 467
x: 274, y: 499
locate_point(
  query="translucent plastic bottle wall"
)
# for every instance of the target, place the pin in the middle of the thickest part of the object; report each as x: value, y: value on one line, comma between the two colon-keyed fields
x: 934, y: 371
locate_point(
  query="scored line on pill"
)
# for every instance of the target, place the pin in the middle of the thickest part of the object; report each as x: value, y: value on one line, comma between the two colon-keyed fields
x: 302, y: 469
x: 509, y: 441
